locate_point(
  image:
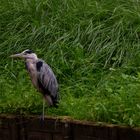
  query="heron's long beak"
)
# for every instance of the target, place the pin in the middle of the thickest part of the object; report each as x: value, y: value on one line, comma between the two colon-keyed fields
x: 19, y: 55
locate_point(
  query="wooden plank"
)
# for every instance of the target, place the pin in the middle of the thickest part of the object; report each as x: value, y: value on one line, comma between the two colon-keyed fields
x: 37, y: 130
x: 127, y: 134
x: 57, y: 137
x: 66, y: 131
x: 99, y: 132
x: 4, y: 134
x: 39, y: 136
x: 87, y: 138
x: 47, y: 125
x: 8, y: 129
x: 112, y: 133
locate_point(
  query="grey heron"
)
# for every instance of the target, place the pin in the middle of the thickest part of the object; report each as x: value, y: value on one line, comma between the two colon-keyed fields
x: 42, y: 77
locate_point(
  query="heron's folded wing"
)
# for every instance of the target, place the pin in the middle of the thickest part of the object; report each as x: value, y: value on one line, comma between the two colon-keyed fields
x: 47, y: 80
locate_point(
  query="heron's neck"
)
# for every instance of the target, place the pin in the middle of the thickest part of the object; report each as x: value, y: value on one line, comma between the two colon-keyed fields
x: 31, y: 60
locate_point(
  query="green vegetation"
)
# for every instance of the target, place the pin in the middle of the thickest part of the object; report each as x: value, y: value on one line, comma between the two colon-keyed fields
x: 93, y: 46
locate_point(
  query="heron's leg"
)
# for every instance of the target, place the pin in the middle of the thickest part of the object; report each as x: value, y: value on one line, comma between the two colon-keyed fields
x: 43, y: 109
x: 43, y: 112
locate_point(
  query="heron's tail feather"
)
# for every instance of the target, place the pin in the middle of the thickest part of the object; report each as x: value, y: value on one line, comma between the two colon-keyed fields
x: 55, y: 103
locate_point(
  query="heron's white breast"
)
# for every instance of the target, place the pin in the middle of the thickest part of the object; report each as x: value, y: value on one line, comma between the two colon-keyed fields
x: 31, y: 66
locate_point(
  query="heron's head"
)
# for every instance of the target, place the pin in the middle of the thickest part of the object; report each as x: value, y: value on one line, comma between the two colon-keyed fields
x: 27, y: 54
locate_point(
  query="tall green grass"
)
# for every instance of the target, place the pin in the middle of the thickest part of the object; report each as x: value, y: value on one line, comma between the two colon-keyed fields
x: 91, y: 45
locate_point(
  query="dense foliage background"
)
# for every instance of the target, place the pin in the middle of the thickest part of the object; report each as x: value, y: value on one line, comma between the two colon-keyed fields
x: 93, y: 46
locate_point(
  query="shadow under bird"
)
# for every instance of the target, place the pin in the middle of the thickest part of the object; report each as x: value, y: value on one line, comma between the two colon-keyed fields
x: 42, y: 77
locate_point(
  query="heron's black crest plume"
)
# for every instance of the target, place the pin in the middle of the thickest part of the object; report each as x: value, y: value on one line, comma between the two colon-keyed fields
x: 28, y: 51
